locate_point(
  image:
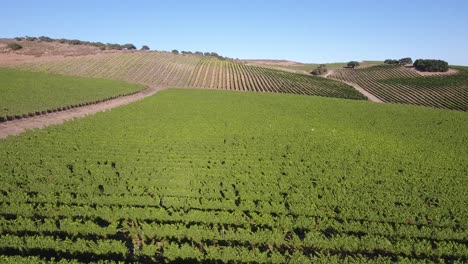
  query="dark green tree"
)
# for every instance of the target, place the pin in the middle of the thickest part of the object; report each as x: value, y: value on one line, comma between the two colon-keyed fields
x: 75, y: 42
x: 431, y: 65
x: 404, y: 61
x: 45, y: 39
x: 14, y: 46
x: 129, y: 46
x: 353, y: 64
x: 391, y: 62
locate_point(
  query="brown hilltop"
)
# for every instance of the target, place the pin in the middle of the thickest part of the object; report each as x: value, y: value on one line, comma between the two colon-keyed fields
x: 41, y: 51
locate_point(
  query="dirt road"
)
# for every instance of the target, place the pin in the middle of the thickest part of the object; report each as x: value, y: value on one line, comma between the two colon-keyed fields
x: 369, y: 96
x: 16, y: 127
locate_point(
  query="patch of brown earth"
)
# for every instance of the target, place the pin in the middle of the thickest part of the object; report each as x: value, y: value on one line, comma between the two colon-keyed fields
x: 369, y: 96
x: 40, y: 48
x: 449, y: 72
x: 40, y: 51
x: 12, y: 59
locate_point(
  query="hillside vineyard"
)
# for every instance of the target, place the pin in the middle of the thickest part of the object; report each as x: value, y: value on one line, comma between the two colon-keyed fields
x: 213, y: 176
x: 167, y: 69
x: 396, y: 84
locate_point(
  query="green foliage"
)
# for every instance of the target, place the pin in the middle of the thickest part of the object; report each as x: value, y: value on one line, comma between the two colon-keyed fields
x: 25, y: 92
x: 391, y: 62
x: 211, y: 54
x: 175, y: 51
x: 112, y: 46
x: 144, y: 47
x: 353, y: 64
x: 431, y: 65
x: 404, y: 61
x: 194, y: 176
x: 98, y: 44
x: 75, y: 42
x: 45, y: 39
x: 129, y: 46
x: 14, y: 46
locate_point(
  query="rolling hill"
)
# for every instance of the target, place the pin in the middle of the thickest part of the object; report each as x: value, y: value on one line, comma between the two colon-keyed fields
x: 167, y: 69
x: 304, y: 68
x: 390, y: 84
x: 396, y: 84
x: 210, y: 176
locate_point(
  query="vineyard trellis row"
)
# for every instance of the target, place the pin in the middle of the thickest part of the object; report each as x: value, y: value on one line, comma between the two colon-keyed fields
x: 164, y: 188
x: 396, y: 84
x: 159, y: 68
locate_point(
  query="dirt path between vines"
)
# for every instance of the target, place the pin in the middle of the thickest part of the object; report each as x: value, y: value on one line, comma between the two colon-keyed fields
x: 16, y: 127
x: 369, y: 96
x: 330, y: 72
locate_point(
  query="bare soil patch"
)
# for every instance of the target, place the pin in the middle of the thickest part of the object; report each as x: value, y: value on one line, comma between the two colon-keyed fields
x: 41, y: 48
x: 369, y: 96
x: 12, y: 59
x: 16, y: 127
x: 329, y: 72
x: 449, y: 72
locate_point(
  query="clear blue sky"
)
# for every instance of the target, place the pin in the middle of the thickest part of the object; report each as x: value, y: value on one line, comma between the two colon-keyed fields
x: 306, y: 31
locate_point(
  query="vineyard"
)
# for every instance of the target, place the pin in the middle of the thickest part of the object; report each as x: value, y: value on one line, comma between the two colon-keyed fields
x: 213, y: 176
x: 167, y: 69
x: 26, y: 94
x: 307, y: 68
x: 395, y: 84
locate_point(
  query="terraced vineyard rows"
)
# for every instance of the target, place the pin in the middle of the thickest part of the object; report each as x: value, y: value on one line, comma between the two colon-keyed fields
x: 155, y: 68
x: 229, y: 184
x: 396, y: 84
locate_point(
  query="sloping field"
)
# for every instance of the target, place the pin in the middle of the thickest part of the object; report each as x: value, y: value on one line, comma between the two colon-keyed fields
x: 395, y: 84
x: 41, y: 48
x: 30, y: 93
x: 212, y: 176
x: 159, y: 68
x: 305, y: 68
